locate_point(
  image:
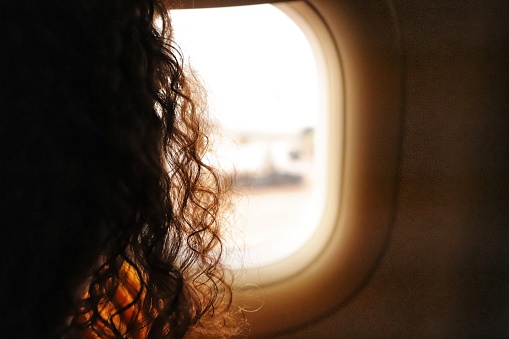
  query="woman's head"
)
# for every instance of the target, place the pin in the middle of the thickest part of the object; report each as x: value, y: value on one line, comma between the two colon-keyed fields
x: 102, y: 138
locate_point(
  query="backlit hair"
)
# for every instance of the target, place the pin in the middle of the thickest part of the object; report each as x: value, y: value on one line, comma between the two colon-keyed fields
x: 111, y: 220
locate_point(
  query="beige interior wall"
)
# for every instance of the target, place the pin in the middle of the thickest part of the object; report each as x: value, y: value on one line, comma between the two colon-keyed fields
x: 445, y: 272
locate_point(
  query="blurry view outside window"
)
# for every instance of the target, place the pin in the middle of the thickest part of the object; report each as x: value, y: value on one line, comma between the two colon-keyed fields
x: 261, y: 81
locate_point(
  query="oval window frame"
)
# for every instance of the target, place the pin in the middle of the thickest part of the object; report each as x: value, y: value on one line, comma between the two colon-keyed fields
x: 366, y: 37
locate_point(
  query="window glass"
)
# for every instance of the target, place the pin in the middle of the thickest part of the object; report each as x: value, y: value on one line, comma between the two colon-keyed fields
x: 260, y: 76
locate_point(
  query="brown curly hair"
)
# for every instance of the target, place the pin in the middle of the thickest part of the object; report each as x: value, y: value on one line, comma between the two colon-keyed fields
x: 111, y: 219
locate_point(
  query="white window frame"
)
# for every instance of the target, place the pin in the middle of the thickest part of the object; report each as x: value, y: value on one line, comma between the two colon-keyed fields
x: 366, y: 103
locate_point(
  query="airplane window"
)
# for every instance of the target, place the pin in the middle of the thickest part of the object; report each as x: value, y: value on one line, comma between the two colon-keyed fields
x: 264, y: 93
x: 291, y: 86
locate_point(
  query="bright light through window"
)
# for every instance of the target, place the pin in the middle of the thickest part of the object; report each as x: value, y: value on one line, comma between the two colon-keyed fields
x: 261, y: 78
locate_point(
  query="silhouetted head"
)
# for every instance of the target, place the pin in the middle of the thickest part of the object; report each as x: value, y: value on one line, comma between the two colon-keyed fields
x: 103, y: 186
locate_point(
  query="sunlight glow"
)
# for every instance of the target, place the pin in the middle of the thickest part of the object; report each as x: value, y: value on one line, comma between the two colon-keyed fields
x: 261, y: 79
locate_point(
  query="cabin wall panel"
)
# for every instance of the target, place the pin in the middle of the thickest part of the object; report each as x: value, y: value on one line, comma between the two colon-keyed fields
x: 446, y: 268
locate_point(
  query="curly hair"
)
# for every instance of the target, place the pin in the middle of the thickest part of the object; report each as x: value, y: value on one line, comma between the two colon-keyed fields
x: 111, y: 219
